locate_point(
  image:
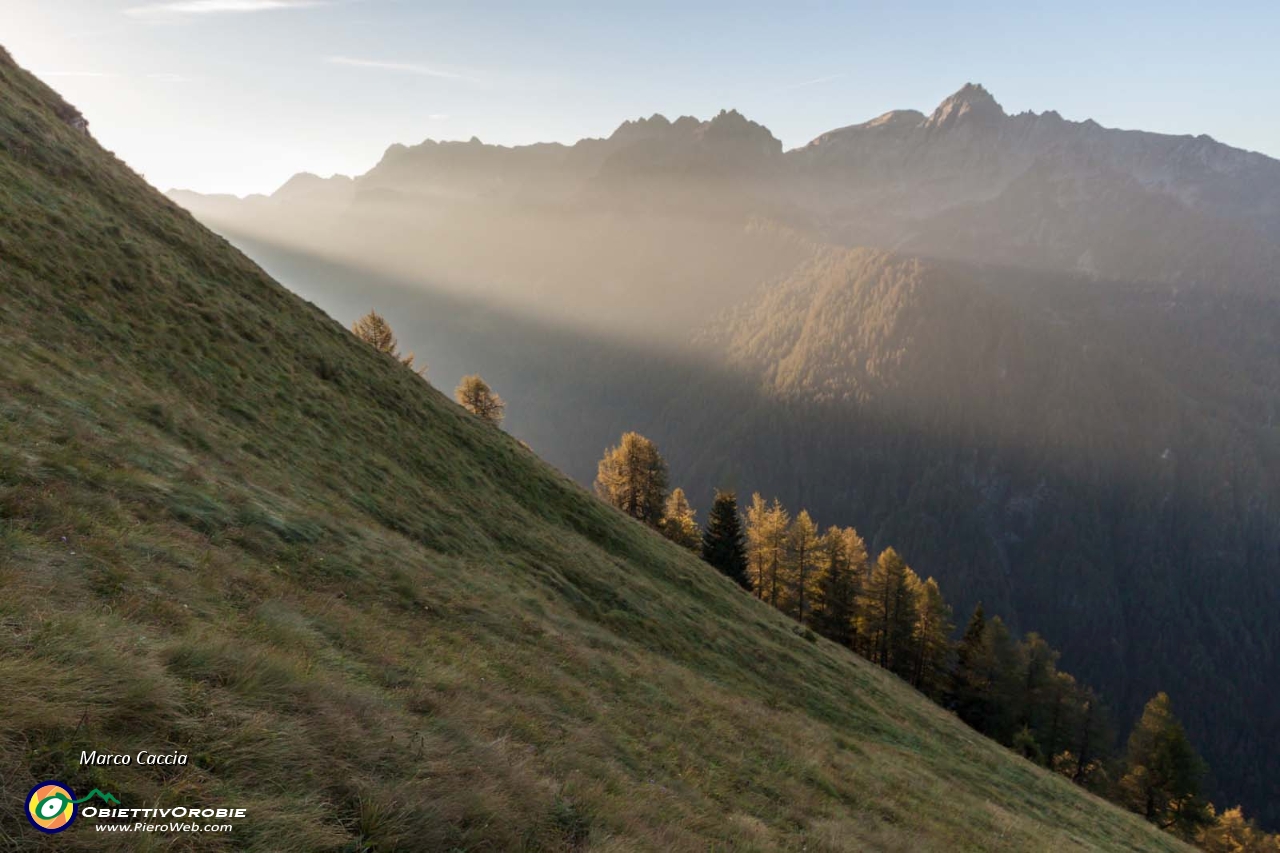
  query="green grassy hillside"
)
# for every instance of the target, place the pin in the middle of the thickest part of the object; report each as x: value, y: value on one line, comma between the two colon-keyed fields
x: 233, y: 531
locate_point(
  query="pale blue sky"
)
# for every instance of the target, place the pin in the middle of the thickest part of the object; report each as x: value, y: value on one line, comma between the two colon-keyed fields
x: 237, y: 95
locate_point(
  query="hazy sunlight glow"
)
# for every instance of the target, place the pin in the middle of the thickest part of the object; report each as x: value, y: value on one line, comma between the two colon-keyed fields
x: 405, y: 67
x: 206, y: 7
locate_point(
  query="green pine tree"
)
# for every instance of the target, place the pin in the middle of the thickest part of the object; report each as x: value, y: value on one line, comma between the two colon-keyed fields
x: 723, y: 542
x: 1164, y: 772
x: 1038, y: 689
x: 1006, y: 677
x: 970, y: 681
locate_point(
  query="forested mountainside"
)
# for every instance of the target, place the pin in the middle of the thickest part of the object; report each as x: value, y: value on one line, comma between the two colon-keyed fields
x: 1059, y: 395
x: 1058, y: 456
x: 231, y: 529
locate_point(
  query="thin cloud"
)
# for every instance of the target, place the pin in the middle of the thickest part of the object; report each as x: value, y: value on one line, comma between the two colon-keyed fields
x: 401, y: 67
x: 816, y: 81
x: 215, y: 7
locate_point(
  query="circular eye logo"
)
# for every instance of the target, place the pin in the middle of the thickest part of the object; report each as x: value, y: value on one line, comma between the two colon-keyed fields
x: 51, y: 807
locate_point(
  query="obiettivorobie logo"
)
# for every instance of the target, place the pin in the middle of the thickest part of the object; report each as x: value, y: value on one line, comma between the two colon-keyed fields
x: 51, y: 806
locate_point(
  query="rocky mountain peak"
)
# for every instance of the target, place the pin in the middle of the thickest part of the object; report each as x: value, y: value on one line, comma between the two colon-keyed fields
x: 896, y: 118
x: 971, y: 102
x: 731, y: 126
x: 641, y: 128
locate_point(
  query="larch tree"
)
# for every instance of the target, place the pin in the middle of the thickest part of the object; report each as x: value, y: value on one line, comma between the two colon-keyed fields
x: 375, y: 331
x: 633, y: 477
x: 802, y: 548
x: 859, y: 569
x: 679, y: 522
x: 887, y: 610
x: 475, y: 395
x: 932, y: 641
x: 723, y: 542
x: 756, y: 514
x: 903, y: 624
x: 1164, y: 772
x: 1232, y: 832
x: 767, y: 527
x: 836, y: 590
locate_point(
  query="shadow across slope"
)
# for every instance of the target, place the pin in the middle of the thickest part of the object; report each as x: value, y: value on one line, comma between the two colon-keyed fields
x: 1066, y: 451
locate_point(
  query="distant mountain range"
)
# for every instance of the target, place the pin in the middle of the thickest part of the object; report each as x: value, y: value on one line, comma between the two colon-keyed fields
x: 966, y: 181
x: 1039, y: 355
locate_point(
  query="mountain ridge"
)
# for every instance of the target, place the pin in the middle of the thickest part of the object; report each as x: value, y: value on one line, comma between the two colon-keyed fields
x: 967, y: 181
x: 970, y: 99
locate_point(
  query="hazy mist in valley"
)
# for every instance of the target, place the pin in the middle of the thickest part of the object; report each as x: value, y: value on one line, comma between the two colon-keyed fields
x: 1046, y: 379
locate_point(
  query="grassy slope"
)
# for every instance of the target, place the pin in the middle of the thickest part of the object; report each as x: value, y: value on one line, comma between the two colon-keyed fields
x: 231, y: 530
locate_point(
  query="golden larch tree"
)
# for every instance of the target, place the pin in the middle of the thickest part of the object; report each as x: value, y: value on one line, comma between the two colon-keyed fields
x: 375, y: 331
x: 633, y: 477
x: 475, y: 395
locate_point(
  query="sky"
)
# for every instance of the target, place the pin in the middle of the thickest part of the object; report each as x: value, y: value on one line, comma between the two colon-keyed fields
x: 236, y: 96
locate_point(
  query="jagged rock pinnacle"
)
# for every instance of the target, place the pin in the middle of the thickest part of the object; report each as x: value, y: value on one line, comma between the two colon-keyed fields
x: 972, y: 101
